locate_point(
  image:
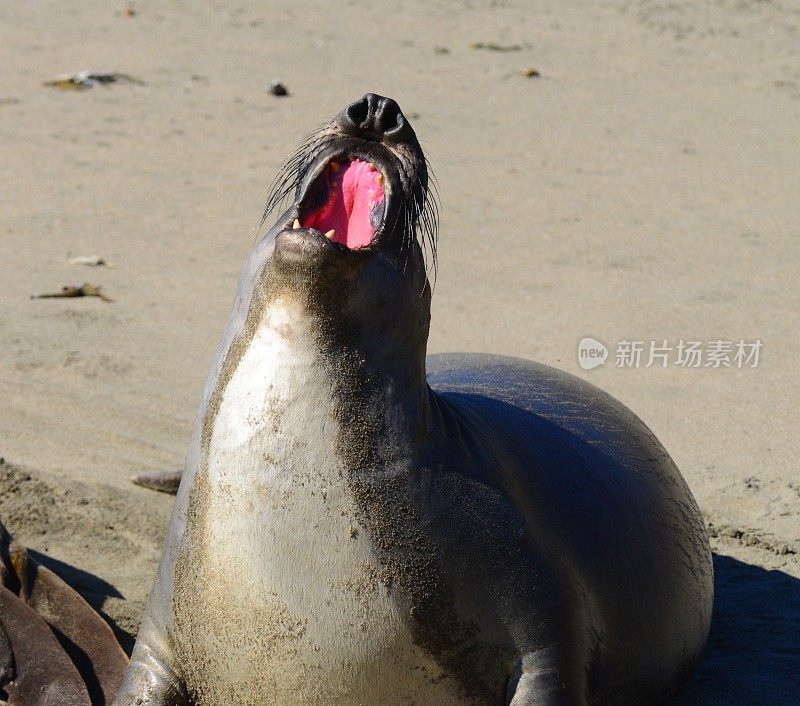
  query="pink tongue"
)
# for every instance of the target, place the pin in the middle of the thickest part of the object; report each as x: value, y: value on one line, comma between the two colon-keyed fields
x: 354, y: 190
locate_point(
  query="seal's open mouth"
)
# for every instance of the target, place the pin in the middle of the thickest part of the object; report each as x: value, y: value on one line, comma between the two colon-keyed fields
x: 351, y: 195
x: 359, y: 192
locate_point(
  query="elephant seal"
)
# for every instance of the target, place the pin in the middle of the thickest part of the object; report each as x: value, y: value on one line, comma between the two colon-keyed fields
x: 350, y: 532
x: 55, y: 650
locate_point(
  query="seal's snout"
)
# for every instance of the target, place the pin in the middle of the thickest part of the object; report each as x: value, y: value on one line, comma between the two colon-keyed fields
x: 360, y: 186
x: 374, y: 117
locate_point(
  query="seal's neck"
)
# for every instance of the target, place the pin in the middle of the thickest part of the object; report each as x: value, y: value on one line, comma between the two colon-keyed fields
x: 370, y: 382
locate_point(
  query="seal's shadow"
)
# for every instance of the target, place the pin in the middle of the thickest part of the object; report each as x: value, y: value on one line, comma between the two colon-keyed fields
x: 753, y: 651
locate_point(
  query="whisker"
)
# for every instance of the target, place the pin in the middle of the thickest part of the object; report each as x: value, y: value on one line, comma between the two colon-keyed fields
x: 294, y: 169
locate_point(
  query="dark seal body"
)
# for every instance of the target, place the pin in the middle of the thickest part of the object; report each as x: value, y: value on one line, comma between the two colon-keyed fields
x: 358, y: 526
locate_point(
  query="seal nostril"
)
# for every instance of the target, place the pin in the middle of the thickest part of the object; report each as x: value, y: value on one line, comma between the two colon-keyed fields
x: 397, y: 130
x: 357, y: 113
x: 374, y: 117
x: 389, y: 117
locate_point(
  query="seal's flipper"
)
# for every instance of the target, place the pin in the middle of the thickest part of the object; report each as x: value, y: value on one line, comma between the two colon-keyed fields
x: 86, y: 639
x: 6, y: 659
x: 548, y: 677
x: 85, y: 636
x: 150, y: 679
x: 165, y: 482
x: 44, y: 674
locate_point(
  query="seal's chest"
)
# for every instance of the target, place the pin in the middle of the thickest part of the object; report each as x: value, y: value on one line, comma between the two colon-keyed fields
x: 290, y: 592
x: 313, y: 614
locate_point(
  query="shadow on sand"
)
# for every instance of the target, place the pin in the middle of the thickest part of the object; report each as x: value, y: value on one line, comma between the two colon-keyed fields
x: 91, y: 587
x: 753, y: 651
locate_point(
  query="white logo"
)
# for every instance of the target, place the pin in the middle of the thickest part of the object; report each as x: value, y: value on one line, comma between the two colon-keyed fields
x: 591, y: 353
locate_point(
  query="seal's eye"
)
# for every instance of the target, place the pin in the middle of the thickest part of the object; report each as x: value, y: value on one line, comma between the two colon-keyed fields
x: 354, y: 204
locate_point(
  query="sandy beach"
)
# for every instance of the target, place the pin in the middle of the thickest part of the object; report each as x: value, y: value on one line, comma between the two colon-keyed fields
x: 626, y: 172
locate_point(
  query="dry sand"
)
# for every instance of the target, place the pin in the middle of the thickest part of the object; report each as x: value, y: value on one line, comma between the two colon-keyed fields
x: 645, y: 186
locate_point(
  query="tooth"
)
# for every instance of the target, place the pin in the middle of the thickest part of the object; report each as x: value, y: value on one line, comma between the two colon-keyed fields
x: 371, y: 166
x: 329, y: 235
x: 335, y: 166
x: 296, y: 224
x: 379, y: 179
